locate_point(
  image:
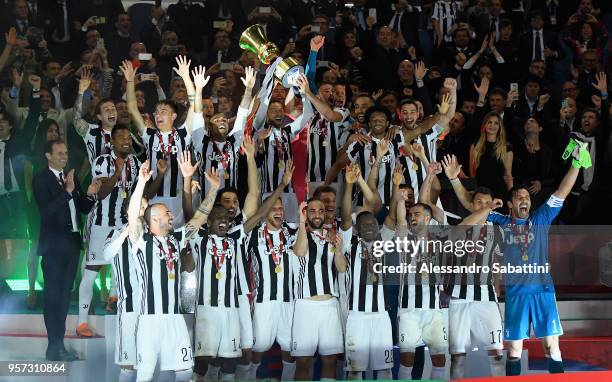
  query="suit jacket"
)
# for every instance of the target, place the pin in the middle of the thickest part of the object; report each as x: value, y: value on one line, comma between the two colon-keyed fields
x: 56, y: 236
x: 551, y: 41
x: 409, y: 22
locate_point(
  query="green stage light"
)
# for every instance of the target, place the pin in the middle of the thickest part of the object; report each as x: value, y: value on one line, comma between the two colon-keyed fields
x: 21, y: 285
x: 108, y: 283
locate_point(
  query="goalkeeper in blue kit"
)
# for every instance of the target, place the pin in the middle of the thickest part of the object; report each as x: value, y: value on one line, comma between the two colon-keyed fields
x: 530, y: 297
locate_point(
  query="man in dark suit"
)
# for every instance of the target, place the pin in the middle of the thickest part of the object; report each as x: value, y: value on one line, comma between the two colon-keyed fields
x: 538, y: 44
x: 405, y: 21
x: 60, y: 201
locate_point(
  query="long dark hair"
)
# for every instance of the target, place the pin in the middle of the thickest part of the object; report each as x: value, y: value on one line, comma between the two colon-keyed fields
x: 37, y: 155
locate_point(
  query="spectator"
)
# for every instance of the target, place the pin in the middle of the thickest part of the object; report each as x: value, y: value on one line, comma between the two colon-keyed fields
x: 119, y: 41
x: 491, y: 156
x: 533, y: 163
x: 539, y: 44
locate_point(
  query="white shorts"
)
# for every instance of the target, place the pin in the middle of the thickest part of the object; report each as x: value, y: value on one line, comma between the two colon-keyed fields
x: 476, y: 323
x: 369, y: 341
x: 217, y: 332
x: 272, y: 322
x: 162, y: 337
x: 95, y: 248
x: 125, y: 340
x: 418, y: 326
x: 290, y: 205
x: 316, y: 324
x: 246, y: 322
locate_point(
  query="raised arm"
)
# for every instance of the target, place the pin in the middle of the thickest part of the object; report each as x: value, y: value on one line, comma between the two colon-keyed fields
x: 135, y: 229
x: 352, y: 174
x: 568, y: 181
x: 322, y: 107
x: 249, y: 82
x: 183, y: 72
x: 130, y: 73
x: 79, y: 123
x: 479, y: 216
x: 300, y: 248
x: 154, y: 187
x: 199, y: 81
x: 396, y: 196
x: 201, y: 215
x: 10, y: 40
x: 266, y: 207
x: 187, y: 169
x: 452, y: 169
x: 252, y: 199
x: 425, y: 191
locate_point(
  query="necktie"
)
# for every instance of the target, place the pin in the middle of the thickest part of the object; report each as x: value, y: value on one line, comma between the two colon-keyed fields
x: 61, y: 178
x: 537, y: 55
x: 8, y: 179
x: 492, y: 28
x: 396, y: 22
x: 361, y: 19
x: 43, y: 115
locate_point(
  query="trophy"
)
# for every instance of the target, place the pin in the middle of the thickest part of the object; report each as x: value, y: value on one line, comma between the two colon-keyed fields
x: 254, y: 39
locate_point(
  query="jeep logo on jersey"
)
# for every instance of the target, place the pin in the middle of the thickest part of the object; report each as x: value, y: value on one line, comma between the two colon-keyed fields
x: 157, y: 148
x: 516, y: 239
x: 220, y: 157
x: 318, y: 130
x: 230, y: 248
x: 275, y: 249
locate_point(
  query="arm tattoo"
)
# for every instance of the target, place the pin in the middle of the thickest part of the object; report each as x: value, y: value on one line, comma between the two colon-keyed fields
x: 77, y: 119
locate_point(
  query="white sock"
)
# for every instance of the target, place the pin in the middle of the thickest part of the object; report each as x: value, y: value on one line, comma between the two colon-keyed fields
x: 183, y: 375
x: 113, y: 288
x: 385, y: 375
x: 288, y: 371
x: 242, y: 372
x: 458, y: 367
x: 253, y: 371
x: 86, y: 293
x: 127, y: 375
x: 228, y: 376
x: 438, y: 372
x: 498, y: 366
x: 355, y: 375
x: 405, y: 373
x: 212, y: 374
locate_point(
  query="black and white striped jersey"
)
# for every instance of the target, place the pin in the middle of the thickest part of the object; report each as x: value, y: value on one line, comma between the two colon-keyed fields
x: 415, y: 170
x: 118, y: 250
x: 365, y: 156
x: 446, y: 12
x: 365, y: 292
x: 276, y: 152
x: 222, y: 156
x: 158, y: 272
x: 217, y: 263
x: 479, y: 286
x: 271, y: 253
x: 420, y: 290
x: 315, y: 274
x: 168, y: 146
x: 324, y: 141
x: 97, y: 141
x: 112, y: 210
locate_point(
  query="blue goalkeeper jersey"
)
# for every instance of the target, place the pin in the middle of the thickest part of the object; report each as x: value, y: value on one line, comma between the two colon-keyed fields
x: 526, y: 242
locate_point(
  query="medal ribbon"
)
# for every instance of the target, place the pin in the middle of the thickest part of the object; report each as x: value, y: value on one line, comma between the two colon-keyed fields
x: 276, y: 257
x: 219, y: 259
x: 166, y: 150
x: 169, y: 256
x: 481, y: 237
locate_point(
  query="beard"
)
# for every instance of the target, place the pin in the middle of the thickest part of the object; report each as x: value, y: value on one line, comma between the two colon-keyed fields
x: 312, y: 225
